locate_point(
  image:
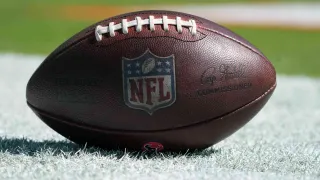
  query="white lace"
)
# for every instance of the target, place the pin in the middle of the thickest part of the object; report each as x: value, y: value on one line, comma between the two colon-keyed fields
x: 138, y: 23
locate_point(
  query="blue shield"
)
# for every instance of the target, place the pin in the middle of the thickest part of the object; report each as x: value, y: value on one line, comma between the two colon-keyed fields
x: 149, y: 82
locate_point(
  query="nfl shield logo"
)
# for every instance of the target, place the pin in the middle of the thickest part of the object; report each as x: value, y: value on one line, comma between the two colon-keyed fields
x: 149, y: 82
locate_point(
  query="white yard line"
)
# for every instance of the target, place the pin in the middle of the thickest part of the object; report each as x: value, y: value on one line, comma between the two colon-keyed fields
x: 304, y: 15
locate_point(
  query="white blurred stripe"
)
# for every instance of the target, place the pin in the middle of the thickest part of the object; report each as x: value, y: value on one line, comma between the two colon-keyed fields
x: 274, y: 14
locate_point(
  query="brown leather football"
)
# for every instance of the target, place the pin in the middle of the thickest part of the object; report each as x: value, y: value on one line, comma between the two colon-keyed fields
x: 151, y: 80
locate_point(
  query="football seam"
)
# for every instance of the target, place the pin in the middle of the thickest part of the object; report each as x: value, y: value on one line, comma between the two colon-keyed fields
x: 98, y: 45
x: 237, y: 41
x: 101, y: 45
x: 93, y: 128
x: 91, y: 29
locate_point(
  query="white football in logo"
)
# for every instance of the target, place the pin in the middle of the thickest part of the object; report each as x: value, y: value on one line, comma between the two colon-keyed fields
x: 148, y: 65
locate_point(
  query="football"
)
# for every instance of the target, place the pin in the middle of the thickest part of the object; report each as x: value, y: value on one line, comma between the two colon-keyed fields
x: 153, y: 81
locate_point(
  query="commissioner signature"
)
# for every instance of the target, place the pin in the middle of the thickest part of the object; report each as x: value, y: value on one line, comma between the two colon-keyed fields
x: 223, y: 72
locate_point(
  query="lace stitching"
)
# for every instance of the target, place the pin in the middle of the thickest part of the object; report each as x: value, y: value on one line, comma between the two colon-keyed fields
x: 139, y: 22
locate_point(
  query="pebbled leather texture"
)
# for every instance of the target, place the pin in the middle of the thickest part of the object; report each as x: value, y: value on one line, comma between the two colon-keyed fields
x: 198, y: 136
x: 216, y: 73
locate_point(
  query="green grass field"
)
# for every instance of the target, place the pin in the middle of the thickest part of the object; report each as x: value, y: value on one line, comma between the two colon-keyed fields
x: 291, y: 51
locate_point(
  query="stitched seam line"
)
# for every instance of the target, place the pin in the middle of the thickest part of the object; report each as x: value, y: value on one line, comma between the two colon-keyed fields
x: 152, y: 131
x: 91, y: 28
x: 235, y: 40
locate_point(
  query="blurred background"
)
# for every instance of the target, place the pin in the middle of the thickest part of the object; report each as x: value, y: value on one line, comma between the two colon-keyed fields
x: 287, y: 31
